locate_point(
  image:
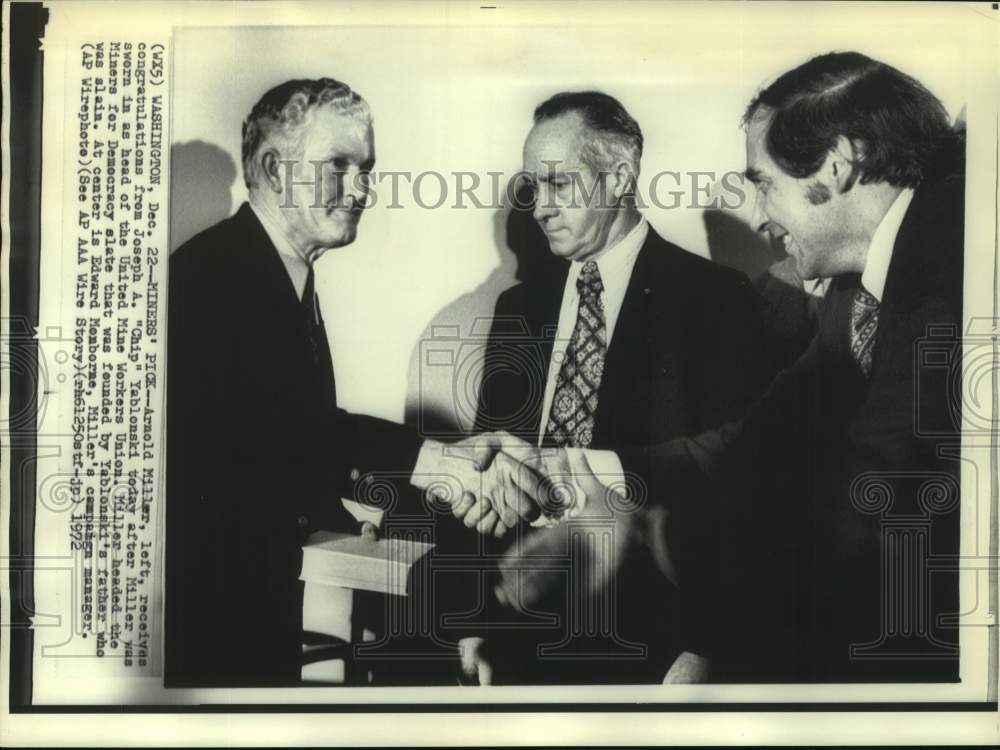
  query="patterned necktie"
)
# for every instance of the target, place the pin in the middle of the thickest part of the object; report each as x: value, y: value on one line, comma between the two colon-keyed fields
x: 574, y: 403
x: 864, y: 323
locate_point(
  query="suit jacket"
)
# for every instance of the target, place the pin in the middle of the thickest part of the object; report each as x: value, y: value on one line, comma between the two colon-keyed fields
x: 258, y: 457
x: 681, y: 359
x: 832, y: 496
x: 789, y: 314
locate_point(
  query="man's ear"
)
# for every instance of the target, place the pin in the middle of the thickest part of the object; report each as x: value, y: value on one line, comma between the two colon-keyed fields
x: 622, y: 180
x: 270, y: 163
x: 842, y: 163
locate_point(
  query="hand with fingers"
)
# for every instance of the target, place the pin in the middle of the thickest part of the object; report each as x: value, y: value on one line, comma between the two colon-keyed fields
x: 513, y: 492
x: 556, y: 491
x: 521, y: 483
x: 369, y: 531
x: 486, y: 488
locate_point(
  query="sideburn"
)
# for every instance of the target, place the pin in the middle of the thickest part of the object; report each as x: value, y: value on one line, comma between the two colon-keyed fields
x: 817, y: 193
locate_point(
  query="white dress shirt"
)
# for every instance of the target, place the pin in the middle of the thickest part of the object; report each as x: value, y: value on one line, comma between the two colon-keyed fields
x: 880, y: 249
x: 615, y: 266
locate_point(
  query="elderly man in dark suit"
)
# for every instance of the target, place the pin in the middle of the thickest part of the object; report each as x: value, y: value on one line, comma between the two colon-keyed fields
x: 259, y: 454
x: 630, y: 341
x: 808, y: 530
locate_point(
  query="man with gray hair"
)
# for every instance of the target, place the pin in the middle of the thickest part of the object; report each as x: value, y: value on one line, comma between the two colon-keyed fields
x: 259, y: 454
x: 650, y: 341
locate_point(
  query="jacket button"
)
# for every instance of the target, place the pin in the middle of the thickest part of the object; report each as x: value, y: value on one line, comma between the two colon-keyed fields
x: 303, y: 521
x: 355, y: 474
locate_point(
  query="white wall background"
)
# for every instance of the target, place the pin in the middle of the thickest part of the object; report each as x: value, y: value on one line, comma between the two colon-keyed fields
x: 451, y: 94
x: 460, y: 99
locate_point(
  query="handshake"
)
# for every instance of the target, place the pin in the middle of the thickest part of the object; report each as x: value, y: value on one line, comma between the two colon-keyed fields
x: 494, y: 481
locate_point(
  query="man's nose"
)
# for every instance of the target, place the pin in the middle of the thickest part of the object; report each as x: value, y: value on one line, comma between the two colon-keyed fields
x: 355, y: 188
x: 544, y: 207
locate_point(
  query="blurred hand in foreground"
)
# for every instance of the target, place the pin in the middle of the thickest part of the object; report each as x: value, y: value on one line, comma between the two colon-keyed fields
x: 608, y: 531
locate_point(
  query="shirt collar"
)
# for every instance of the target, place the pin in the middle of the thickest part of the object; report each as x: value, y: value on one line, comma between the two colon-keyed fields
x: 618, y: 258
x: 883, y: 240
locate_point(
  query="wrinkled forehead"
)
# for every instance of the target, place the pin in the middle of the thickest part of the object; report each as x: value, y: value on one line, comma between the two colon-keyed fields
x: 554, y: 145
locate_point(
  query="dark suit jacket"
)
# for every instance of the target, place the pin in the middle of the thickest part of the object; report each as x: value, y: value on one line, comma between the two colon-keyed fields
x: 681, y: 359
x: 258, y: 457
x: 788, y: 313
x: 830, y: 497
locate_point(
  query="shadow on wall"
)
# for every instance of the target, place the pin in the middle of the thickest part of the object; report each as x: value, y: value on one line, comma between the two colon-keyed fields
x: 789, y: 316
x: 732, y: 242
x: 201, y: 181
x: 445, y: 368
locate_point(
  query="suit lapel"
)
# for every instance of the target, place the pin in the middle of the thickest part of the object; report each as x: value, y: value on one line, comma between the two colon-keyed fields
x: 924, y: 263
x: 275, y: 303
x: 261, y: 259
x: 638, y: 343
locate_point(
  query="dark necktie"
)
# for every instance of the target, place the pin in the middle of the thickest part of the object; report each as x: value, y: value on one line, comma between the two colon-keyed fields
x: 309, y: 306
x: 574, y: 402
x: 864, y: 324
x: 317, y: 333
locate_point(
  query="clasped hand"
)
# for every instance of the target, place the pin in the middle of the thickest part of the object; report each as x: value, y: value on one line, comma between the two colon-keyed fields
x: 493, y: 481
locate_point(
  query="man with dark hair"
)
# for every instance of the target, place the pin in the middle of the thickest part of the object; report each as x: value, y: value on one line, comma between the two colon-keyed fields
x: 903, y: 126
x: 810, y: 528
x: 259, y: 455
x: 630, y: 342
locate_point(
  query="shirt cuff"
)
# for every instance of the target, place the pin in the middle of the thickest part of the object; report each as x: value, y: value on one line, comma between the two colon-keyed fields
x: 428, y: 463
x: 605, y: 465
